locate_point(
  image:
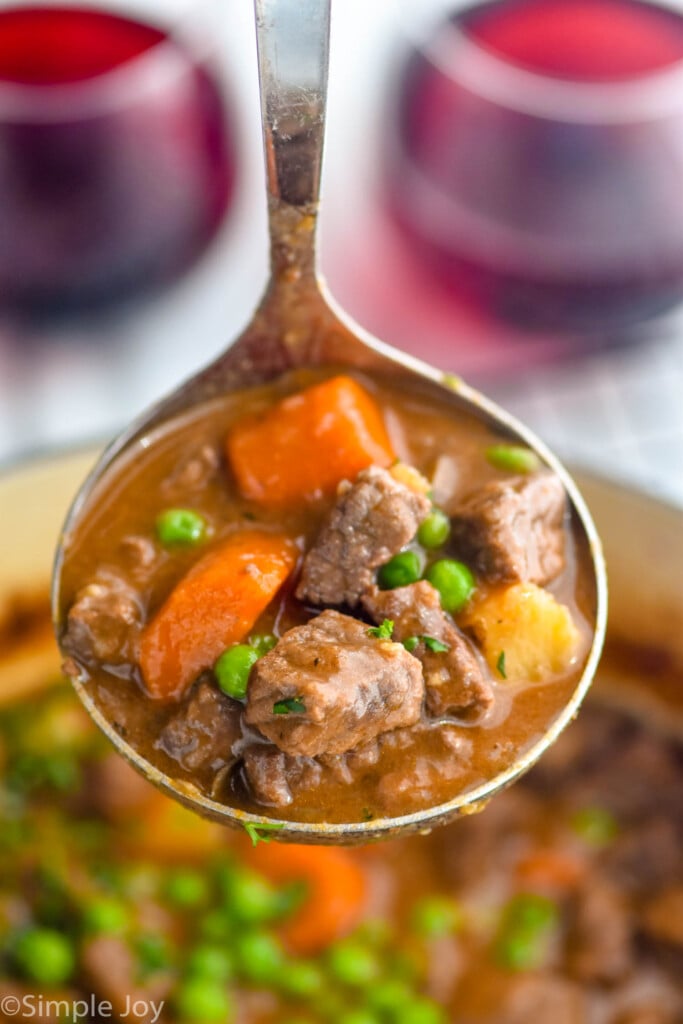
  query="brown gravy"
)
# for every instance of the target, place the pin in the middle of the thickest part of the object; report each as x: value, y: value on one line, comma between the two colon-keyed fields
x: 428, y: 766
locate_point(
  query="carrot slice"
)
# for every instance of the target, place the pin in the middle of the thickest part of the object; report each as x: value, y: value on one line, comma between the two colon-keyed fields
x: 307, y: 443
x: 337, y: 891
x: 214, y: 605
x: 550, y: 869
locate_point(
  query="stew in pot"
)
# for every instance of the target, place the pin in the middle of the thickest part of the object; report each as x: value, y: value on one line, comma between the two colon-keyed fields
x: 560, y: 904
x: 330, y: 599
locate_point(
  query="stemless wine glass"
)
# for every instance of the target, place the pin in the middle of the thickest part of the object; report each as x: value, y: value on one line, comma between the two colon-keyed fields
x: 117, y: 161
x: 533, y: 159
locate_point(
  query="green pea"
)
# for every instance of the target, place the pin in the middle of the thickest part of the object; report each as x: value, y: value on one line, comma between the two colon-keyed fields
x: 357, y: 1017
x: 527, y: 923
x: 233, y: 667
x: 436, y: 916
x: 517, y: 950
x: 435, y: 530
x: 454, y: 581
x: 422, y: 1011
x: 153, y: 953
x: 388, y: 997
x: 106, y: 916
x: 199, y: 999
x: 250, y: 899
x: 187, y: 889
x: 530, y: 911
x: 353, y: 963
x: 513, y: 458
x: 45, y: 955
x: 399, y: 571
x: 212, y: 963
x: 301, y: 978
x: 180, y: 527
x: 595, y: 825
x: 259, y: 956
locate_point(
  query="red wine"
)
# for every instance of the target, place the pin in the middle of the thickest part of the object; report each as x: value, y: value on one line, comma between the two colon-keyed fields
x: 556, y: 220
x: 117, y: 161
x: 579, y: 40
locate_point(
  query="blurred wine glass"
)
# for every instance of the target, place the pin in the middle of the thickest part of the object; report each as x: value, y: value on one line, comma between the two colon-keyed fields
x: 117, y: 160
x: 533, y: 159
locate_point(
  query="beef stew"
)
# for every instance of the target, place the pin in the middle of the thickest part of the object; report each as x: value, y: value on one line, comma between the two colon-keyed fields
x: 561, y: 902
x: 377, y: 602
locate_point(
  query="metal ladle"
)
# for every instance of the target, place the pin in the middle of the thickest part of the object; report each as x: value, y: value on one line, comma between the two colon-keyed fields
x: 298, y: 324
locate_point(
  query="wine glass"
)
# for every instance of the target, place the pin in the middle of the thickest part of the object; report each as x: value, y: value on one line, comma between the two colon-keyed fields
x: 533, y: 159
x: 117, y: 159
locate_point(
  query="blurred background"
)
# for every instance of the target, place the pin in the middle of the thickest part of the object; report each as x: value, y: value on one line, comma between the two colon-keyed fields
x: 502, y: 197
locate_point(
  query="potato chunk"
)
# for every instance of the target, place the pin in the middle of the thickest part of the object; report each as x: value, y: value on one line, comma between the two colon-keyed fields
x: 525, y: 634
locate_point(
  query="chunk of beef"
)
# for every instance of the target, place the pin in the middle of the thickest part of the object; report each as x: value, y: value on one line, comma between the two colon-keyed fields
x: 600, y: 947
x: 653, y: 770
x: 201, y: 733
x: 345, y: 687
x: 104, y: 621
x: 579, y: 752
x: 455, y: 680
x: 479, y: 852
x: 512, y: 529
x: 542, y: 998
x: 647, y: 855
x: 271, y: 775
x: 372, y: 520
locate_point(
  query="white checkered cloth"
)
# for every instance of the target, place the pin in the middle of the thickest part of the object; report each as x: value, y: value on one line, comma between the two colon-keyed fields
x: 618, y: 413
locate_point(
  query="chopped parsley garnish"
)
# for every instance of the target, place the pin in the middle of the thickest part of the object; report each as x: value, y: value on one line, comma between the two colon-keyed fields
x: 500, y: 665
x: 285, y: 707
x: 430, y: 642
x: 254, y: 830
x: 384, y: 631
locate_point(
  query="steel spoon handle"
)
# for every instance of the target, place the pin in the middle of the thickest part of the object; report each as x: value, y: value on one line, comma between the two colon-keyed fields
x: 293, y: 57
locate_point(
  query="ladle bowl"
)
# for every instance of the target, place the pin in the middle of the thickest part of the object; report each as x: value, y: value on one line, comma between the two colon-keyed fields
x: 298, y: 324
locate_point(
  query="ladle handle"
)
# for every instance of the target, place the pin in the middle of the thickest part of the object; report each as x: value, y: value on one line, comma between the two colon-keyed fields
x: 293, y: 56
